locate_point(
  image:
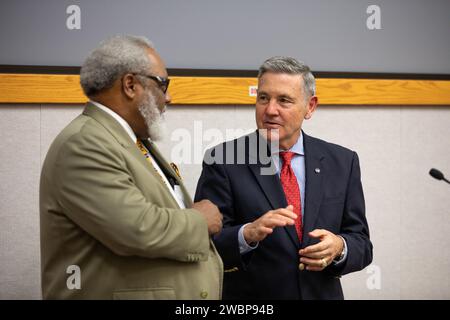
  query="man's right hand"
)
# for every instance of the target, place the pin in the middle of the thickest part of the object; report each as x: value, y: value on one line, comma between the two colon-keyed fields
x: 264, y: 225
x: 211, y: 214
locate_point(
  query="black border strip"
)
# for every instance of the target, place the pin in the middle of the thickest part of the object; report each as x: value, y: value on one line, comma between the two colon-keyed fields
x: 4, y: 68
x: 23, y: 69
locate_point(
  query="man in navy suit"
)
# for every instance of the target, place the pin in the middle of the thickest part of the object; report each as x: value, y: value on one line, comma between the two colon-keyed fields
x: 293, y: 205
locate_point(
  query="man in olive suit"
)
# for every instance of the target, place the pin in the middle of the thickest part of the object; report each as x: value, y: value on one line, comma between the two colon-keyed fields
x: 116, y: 220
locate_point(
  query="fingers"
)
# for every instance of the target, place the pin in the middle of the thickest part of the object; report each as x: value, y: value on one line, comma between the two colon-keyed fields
x: 309, y: 268
x: 215, y: 225
x: 264, y: 231
x: 318, y: 247
x: 276, y: 221
x: 278, y: 218
x: 315, y: 264
x: 263, y: 226
x: 266, y: 226
x: 255, y: 232
x: 214, y: 230
x: 318, y: 233
x: 325, y: 243
x: 316, y: 254
x: 285, y: 212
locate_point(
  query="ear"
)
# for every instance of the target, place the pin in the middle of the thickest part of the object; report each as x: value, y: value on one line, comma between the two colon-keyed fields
x: 311, y: 106
x: 129, y: 85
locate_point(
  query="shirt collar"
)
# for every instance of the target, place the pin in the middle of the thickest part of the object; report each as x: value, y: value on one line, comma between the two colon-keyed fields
x: 118, y: 118
x: 297, y: 148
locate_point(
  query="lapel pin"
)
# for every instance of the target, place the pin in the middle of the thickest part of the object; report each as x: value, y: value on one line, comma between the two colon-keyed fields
x: 317, y: 170
x: 175, y: 168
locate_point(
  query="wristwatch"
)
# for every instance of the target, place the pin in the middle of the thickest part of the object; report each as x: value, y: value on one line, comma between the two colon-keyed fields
x: 342, y: 254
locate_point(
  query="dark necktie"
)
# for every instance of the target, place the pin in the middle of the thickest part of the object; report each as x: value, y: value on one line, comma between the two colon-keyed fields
x: 146, y: 152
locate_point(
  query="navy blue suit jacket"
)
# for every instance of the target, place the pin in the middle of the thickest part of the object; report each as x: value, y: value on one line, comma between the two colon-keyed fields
x: 334, y: 201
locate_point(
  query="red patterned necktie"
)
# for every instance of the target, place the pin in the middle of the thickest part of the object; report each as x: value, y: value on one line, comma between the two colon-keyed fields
x: 291, y: 189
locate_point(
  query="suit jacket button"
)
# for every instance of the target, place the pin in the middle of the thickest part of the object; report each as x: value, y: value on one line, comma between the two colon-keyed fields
x: 204, y: 294
x: 301, y: 266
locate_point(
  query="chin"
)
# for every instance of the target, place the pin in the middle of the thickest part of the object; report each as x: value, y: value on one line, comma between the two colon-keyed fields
x: 273, y: 134
x: 156, y: 131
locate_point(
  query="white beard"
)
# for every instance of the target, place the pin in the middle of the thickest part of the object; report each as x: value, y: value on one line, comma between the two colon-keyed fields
x: 154, y: 119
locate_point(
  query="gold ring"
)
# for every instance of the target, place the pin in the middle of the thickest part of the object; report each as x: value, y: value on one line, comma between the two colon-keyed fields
x: 324, y: 263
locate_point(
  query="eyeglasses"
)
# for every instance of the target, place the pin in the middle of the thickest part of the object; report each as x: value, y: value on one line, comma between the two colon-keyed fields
x: 163, y: 83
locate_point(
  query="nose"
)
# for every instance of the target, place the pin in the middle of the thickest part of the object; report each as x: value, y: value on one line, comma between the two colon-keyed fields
x: 272, y: 108
x: 167, y: 97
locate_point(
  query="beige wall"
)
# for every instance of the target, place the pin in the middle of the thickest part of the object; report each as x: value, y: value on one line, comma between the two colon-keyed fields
x: 408, y: 211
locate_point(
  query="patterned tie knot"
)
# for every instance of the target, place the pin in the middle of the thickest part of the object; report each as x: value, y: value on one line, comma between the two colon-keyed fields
x: 286, y: 156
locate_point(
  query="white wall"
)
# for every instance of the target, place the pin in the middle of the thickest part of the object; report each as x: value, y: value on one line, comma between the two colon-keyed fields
x: 407, y: 210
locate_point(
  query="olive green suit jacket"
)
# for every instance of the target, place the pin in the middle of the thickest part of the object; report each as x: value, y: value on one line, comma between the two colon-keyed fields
x: 106, y: 211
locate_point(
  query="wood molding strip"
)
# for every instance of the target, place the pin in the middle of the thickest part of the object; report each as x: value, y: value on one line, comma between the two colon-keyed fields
x: 202, y: 90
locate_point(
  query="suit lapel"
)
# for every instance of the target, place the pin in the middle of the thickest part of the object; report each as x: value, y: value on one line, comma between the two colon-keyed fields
x: 271, y: 186
x: 109, y: 123
x: 313, y: 194
x: 119, y: 133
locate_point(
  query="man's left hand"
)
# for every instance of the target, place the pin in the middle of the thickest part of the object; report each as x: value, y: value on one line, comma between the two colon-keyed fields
x: 318, y: 256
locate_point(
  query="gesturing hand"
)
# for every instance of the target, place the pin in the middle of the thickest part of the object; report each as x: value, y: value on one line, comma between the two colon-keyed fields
x: 318, y: 256
x: 264, y: 225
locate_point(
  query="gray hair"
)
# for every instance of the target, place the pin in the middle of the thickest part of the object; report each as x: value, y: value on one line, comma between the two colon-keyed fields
x: 290, y: 65
x: 113, y: 58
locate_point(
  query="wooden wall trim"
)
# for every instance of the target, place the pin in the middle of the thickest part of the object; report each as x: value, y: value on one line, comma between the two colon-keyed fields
x: 193, y: 90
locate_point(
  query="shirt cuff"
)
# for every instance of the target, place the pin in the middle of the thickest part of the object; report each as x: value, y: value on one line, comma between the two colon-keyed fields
x: 244, y: 247
x: 338, y: 261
